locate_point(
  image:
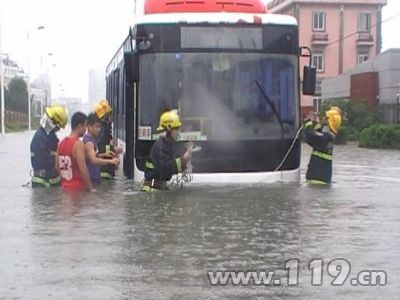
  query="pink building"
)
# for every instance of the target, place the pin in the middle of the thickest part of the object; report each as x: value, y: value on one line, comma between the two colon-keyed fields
x: 341, y: 33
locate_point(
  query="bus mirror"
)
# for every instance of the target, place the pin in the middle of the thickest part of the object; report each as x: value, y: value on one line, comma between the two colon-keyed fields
x: 309, y: 80
x: 131, y: 64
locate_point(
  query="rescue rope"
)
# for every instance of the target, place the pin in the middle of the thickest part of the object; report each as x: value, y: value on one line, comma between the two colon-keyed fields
x: 186, y: 175
x: 290, y: 148
x: 28, y: 184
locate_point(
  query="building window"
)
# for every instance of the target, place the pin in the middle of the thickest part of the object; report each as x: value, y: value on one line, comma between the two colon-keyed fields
x: 364, y: 22
x: 361, y: 58
x: 318, y: 62
x: 318, y: 21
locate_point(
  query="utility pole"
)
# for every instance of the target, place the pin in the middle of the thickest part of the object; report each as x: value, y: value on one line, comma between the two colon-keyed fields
x: 29, y: 84
x: 3, y: 129
x: 397, y: 106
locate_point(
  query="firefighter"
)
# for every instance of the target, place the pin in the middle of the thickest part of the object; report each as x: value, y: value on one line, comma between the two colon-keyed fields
x: 167, y: 156
x: 104, y: 141
x: 44, y: 146
x: 321, y: 139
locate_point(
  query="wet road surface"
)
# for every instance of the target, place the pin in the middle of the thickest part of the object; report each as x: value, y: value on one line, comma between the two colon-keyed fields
x: 122, y: 244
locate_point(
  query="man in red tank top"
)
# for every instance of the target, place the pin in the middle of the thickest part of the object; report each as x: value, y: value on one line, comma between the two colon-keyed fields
x: 70, y: 159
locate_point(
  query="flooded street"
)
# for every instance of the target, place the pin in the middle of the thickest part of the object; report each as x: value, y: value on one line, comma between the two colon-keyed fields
x: 122, y: 244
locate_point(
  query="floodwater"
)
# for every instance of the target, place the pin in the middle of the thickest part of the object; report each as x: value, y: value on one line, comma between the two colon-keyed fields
x: 122, y: 244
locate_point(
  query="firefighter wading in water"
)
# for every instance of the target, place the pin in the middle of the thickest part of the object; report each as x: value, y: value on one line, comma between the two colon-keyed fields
x: 167, y: 156
x: 321, y: 139
x: 104, y: 141
x: 44, y: 146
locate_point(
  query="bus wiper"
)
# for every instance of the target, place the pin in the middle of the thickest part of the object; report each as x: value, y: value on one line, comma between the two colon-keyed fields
x: 272, y: 105
x: 275, y: 111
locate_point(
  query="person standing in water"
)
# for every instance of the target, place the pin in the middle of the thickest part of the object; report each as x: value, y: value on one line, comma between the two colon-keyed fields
x: 94, y: 160
x: 321, y: 139
x: 104, y: 140
x: 166, y: 158
x: 44, y: 146
x: 70, y: 158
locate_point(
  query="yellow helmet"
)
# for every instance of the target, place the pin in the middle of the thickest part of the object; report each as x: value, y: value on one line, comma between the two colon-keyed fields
x: 102, y: 108
x: 337, y: 108
x: 169, y: 120
x: 334, y: 118
x: 58, y: 115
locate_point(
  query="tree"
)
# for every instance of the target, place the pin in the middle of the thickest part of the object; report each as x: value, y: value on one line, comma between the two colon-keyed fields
x: 16, y: 96
x: 356, y: 117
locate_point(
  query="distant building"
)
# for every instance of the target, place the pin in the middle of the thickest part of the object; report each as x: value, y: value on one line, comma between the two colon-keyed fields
x: 39, y: 99
x: 68, y: 100
x: 341, y: 33
x: 40, y: 88
x: 72, y: 104
x: 97, y: 86
x: 377, y: 81
x: 12, y: 70
x: 40, y: 94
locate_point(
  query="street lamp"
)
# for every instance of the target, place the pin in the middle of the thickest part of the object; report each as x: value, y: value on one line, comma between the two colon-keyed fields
x: 50, y: 69
x: 47, y: 85
x: 29, y: 79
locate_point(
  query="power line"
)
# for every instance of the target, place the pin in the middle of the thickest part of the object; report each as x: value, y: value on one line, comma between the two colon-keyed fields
x: 357, y: 32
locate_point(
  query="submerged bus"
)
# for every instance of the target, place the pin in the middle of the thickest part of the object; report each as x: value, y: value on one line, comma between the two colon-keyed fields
x: 232, y: 72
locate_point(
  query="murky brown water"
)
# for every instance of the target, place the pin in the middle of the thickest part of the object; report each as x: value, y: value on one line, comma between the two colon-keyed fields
x: 121, y: 244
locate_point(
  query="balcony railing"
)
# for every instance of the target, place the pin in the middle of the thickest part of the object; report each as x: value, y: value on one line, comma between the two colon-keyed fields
x: 365, y: 39
x: 319, y: 38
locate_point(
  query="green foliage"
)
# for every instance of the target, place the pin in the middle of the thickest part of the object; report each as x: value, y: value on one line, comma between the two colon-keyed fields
x: 342, y: 136
x: 16, y: 126
x: 16, y: 96
x: 353, y: 134
x: 380, y: 136
x: 356, y: 117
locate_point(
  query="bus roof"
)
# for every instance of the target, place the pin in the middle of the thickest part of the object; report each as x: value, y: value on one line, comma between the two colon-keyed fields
x: 191, y: 6
x: 216, y: 18
x: 203, y: 18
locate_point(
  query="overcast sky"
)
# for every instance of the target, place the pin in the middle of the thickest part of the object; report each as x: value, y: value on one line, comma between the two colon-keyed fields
x: 84, y: 34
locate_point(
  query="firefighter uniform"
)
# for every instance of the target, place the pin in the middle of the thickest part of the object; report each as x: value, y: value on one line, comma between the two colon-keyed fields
x: 44, y: 146
x: 320, y: 166
x: 165, y: 160
x: 104, y: 145
x: 166, y: 155
x: 103, y: 112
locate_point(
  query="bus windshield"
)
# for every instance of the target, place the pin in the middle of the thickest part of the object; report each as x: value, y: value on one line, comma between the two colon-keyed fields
x: 216, y: 94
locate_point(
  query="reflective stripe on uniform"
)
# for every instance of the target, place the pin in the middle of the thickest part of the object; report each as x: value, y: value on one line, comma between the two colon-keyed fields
x: 55, y: 180
x: 32, y: 154
x: 106, y: 175
x: 149, y: 165
x: 317, y: 126
x: 147, y: 188
x: 322, y: 155
x: 108, y: 148
x: 178, y: 164
x: 316, y: 182
x: 40, y: 181
x: 308, y: 124
x: 53, y: 153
